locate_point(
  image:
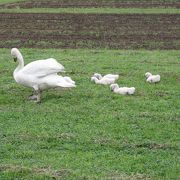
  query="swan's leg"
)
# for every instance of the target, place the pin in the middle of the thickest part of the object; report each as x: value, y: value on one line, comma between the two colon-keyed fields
x: 39, y: 94
x: 33, y: 96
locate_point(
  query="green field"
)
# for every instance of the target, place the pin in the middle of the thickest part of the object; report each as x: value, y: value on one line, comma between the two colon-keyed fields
x: 96, y: 10
x: 89, y: 132
x: 11, y: 1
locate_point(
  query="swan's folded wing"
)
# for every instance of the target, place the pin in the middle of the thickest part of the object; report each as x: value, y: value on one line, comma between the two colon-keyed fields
x: 42, y: 68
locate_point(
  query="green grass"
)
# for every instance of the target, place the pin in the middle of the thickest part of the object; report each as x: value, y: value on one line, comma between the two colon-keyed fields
x: 89, y: 132
x: 11, y: 1
x: 96, y: 10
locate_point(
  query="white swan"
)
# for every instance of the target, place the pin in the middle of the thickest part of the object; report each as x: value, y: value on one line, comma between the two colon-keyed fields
x: 39, y: 75
x: 104, y: 81
x: 152, y: 78
x: 113, y: 76
x: 122, y: 90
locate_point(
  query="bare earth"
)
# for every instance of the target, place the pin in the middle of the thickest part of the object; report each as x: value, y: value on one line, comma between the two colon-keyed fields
x: 114, y: 31
x: 94, y: 3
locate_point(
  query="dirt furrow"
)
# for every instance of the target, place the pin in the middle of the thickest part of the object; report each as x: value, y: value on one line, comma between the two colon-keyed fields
x: 93, y: 3
x: 133, y: 31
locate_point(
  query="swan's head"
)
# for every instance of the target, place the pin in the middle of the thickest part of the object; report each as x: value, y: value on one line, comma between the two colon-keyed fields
x: 98, y: 76
x: 148, y: 74
x: 158, y: 76
x: 14, y: 54
x: 113, y: 86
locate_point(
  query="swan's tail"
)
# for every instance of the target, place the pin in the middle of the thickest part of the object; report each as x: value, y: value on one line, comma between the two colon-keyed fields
x: 66, y: 85
x: 59, y: 81
x: 69, y: 80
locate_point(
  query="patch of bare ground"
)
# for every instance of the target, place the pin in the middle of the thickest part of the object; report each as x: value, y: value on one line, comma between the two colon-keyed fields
x: 113, y: 31
x: 153, y: 146
x: 92, y: 3
x: 29, y: 137
x: 45, y: 171
x: 103, y: 141
x: 123, y: 176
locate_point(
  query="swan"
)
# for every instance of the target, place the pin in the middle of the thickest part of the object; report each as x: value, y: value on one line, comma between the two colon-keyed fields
x: 40, y: 74
x: 104, y: 81
x: 113, y: 76
x: 152, y: 78
x: 122, y: 90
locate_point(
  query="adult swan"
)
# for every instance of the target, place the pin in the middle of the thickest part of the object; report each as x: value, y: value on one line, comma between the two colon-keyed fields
x: 39, y: 75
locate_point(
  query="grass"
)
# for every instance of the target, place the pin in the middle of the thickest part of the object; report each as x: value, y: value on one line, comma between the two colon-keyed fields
x: 96, y: 10
x: 89, y: 132
x: 11, y: 1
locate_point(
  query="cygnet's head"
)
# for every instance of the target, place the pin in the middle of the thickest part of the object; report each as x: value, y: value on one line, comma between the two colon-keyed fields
x: 14, y: 53
x: 97, y: 75
x: 113, y: 86
x: 93, y: 79
x: 148, y: 74
x: 132, y: 90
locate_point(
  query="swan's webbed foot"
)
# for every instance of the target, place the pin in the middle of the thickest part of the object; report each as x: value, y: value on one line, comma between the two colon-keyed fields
x: 37, y: 102
x: 36, y: 98
x: 33, y: 97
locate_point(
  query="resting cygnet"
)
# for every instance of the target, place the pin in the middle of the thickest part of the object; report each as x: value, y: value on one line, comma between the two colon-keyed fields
x: 152, y: 78
x: 104, y: 81
x: 113, y: 76
x: 122, y: 90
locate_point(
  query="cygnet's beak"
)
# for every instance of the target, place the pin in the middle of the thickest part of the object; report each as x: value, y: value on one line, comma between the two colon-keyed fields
x: 15, y: 59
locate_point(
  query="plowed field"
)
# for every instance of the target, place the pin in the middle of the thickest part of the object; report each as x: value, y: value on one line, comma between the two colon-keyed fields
x: 94, y: 3
x: 114, y: 31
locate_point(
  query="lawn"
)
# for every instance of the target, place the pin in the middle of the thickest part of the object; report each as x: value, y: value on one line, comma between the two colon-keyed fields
x: 10, y: 1
x: 89, y: 132
x: 96, y: 10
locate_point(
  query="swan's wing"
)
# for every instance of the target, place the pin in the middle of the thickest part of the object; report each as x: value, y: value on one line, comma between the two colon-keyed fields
x: 42, y: 68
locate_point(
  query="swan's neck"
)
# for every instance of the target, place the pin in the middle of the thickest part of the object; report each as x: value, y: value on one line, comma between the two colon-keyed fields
x: 20, y: 61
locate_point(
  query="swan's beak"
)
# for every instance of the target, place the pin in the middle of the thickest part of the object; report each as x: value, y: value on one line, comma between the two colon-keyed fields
x: 15, y: 59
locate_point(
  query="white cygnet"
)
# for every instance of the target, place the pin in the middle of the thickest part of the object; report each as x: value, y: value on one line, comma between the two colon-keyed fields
x: 122, y: 90
x: 104, y: 81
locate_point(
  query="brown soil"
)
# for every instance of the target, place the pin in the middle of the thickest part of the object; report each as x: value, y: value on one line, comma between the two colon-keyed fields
x: 93, y: 3
x: 114, y: 31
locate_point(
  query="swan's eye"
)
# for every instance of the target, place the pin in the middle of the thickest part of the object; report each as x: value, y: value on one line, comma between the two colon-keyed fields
x: 15, y: 59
